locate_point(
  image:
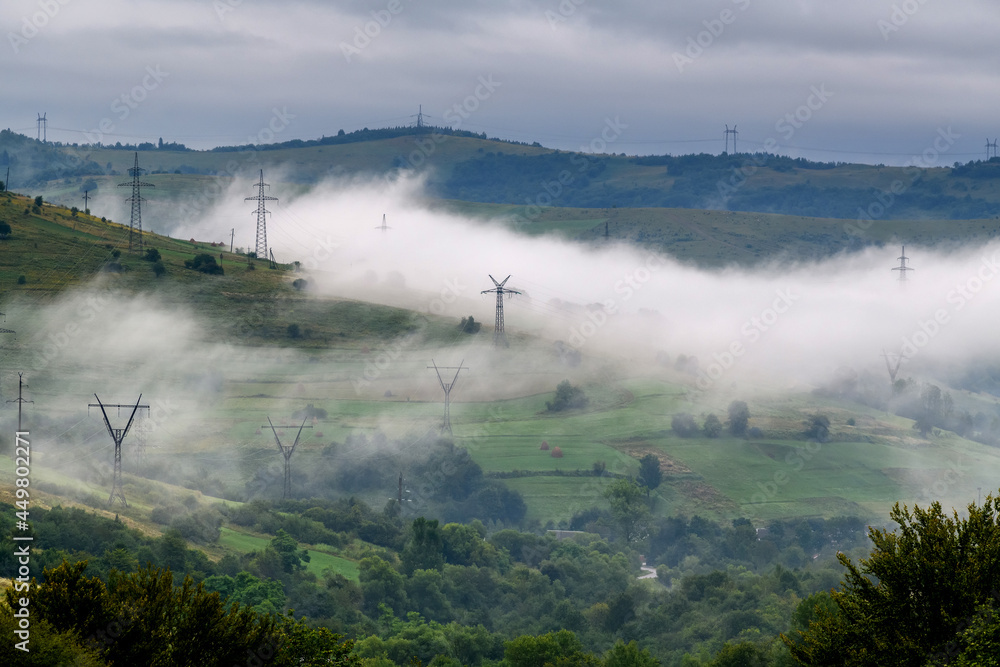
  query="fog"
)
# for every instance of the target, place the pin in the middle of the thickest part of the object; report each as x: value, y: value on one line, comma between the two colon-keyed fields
x: 785, y: 326
x: 786, y: 322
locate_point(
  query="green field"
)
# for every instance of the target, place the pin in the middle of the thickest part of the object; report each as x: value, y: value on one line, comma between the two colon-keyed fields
x: 319, y: 561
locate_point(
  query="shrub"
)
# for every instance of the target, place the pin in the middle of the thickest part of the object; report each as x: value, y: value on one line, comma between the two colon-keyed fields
x: 21, y: 280
x: 567, y: 397
x: 205, y: 263
x: 684, y: 425
x: 712, y: 427
x: 159, y: 270
x: 152, y: 255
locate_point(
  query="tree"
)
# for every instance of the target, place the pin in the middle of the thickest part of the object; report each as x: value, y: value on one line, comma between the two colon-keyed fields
x: 4, y: 230
x: 921, y: 589
x: 159, y: 270
x: 294, y: 331
x: 649, y: 472
x: 818, y: 428
x: 204, y: 263
x: 143, y: 619
x: 739, y: 416
x: 628, y: 507
x: 567, y: 397
x: 712, y: 427
x: 684, y: 425
x: 629, y: 655
x: 152, y: 255
x: 469, y: 325
x: 555, y: 648
x: 38, y: 201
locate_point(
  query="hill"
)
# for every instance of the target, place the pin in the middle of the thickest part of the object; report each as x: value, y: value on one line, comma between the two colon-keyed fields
x: 469, y: 167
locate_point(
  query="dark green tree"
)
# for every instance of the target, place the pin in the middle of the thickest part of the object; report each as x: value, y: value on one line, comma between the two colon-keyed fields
x: 649, y: 472
x: 914, y: 596
x: 629, y: 509
x: 205, y: 263
x: 712, y: 427
x: 5, y: 230
x: 739, y: 417
x: 818, y: 428
x: 684, y: 425
x: 567, y: 397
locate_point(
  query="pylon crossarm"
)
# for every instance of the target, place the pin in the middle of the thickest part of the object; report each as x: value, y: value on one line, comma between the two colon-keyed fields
x: 296, y: 443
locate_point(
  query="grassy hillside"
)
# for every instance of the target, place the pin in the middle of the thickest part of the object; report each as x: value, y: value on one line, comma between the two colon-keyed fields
x: 871, y: 460
x: 477, y: 169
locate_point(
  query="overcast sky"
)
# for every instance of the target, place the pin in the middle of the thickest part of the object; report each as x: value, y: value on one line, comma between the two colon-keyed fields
x: 852, y: 80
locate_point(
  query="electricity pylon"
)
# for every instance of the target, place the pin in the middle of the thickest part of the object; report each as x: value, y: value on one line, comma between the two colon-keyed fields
x: 499, y: 335
x: 446, y: 424
x: 287, y: 452
x: 118, y: 435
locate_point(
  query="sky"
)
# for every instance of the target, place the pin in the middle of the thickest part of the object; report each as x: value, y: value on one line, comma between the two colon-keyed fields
x: 873, y: 81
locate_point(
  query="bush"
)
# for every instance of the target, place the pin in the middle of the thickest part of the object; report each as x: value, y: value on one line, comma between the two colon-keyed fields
x: 469, y: 325
x: 4, y: 230
x: 159, y: 270
x: 294, y: 331
x: 712, y: 427
x: 152, y: 255
x: 567, y: 397
x: 684, y: 425
x: 204, y: 263
x: 21, y: 280
x: 739, y: 415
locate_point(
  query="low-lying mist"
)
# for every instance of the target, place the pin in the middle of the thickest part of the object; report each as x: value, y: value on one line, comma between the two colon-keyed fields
x: 788, y: 322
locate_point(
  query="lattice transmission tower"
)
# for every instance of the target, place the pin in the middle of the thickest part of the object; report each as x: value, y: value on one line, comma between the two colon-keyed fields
x: 261, y: 249
x: 902, y: 268
x: 499, y: 335
x: 135, y: 221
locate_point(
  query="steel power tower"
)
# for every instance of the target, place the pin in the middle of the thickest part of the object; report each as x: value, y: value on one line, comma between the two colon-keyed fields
x: 383, y: 226
x: 43, y: 128
x: 735, y: 134
x: 902, y: 268
x: 499, y: 335
x: 135, y: 222
x: 287, y: 453
x: 893, y: 368
x: 20, y: 399
x: 118, y: 435
x: 446, y: 424
x: 262, y: 212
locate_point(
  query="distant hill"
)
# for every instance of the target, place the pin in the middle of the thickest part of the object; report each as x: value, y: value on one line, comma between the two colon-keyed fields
x: 469, y: 167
